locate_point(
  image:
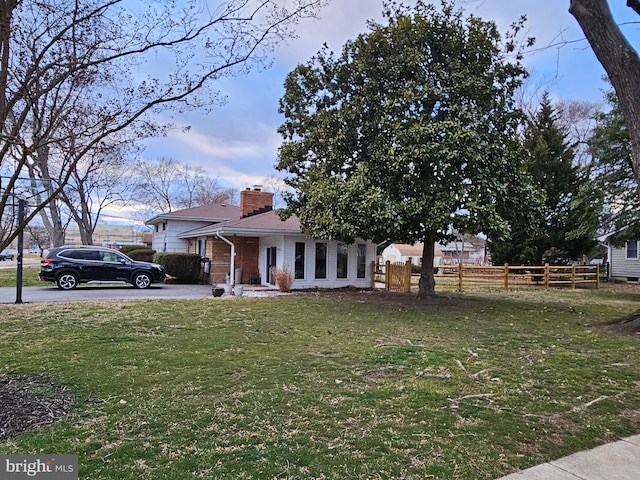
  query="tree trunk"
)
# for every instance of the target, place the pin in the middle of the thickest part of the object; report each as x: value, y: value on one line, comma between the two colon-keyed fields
x: 620, y: 61
x: 427, y: 283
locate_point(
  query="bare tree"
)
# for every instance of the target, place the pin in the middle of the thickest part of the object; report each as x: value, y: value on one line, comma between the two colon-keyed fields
x: 165, y: 185
x: 277, y: 186
x: 55, y: 53
x: 158, y: 183
x: 578, y: 119
x: 211, y: 190
x: 38, y: 238
x: 100, y: 179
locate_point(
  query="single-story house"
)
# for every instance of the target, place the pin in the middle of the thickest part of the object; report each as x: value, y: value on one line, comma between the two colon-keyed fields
x: 246, y: 249
x: 624, y: 261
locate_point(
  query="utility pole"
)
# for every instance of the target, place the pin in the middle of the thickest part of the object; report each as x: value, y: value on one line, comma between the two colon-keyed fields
x: 21, y: 213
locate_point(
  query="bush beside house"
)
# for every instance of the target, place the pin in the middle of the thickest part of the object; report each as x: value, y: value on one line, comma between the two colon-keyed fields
x: 185, y: 267
x: 139, y: 253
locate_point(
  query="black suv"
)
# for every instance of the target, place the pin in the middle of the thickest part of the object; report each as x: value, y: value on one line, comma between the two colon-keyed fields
x: 68, y: 266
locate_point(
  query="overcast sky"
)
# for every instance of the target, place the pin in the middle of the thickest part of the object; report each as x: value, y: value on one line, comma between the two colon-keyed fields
x: 238, y: 142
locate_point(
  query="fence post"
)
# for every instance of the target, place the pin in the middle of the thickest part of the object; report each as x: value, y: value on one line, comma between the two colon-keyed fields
x: 573, y: 276
x: 387, y: 280
x: 407, y: 276
x: 546, y: 276
x: 506, y: 277
x: 373, y: 274
x: 597, y: 276
x: 460, y: 276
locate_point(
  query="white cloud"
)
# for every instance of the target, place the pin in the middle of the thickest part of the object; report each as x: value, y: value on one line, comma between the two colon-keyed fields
x: 239, y: 141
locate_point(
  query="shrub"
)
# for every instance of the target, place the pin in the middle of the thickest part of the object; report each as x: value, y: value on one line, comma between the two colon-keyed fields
x: 283, y: 278
x: 141, y: 254
x: 130, y: 248
x: 183, y: 266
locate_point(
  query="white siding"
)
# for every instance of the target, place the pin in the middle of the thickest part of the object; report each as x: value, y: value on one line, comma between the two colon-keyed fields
x: 268, y: 242
x: 286, y: 247
x: 168, y: 241
x: 621, y: 267
x: 391, y: 254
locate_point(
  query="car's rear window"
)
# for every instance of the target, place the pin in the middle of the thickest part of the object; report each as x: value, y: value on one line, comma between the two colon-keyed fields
x: 110, y: 256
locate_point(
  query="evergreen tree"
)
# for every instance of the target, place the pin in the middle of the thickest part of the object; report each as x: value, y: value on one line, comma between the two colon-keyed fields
x: 565, y: 228
x: 613, y: 174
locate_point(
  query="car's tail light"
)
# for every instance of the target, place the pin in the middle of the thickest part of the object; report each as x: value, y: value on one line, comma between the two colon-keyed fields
x: 45, y: 261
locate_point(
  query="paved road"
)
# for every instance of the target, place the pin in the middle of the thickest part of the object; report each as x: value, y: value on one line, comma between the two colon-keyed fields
x: 50, y: 293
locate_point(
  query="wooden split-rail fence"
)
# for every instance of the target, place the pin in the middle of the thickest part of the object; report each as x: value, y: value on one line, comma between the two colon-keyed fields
x: 399, y: 277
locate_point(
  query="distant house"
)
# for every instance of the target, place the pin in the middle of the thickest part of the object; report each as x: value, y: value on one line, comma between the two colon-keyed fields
x: 445, y: 254
x: 403, y: 253
x: 461, y: 252
x: 248, y: 245
x: 624, y: 262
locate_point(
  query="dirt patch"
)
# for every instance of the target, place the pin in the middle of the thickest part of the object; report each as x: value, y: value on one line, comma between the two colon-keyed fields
x: 395, y: 300
x: 28, y: 402
x: 627, y: 325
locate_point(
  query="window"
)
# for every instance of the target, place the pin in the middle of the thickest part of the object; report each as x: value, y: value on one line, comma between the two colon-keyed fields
x: 343, y: 261
x: 299, y: 263
x: 632, y: 249
x: 321, y: 260
x: 157, y: 228
x: 202, y: 247
x: 110, y: 257
x: 362, y: 260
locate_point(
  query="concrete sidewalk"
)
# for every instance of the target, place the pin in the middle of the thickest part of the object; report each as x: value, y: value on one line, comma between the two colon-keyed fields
x: 614, y: 461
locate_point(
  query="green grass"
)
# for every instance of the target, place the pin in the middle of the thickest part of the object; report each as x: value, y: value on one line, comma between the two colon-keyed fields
x: 306, y: 387
x: 29, y: 277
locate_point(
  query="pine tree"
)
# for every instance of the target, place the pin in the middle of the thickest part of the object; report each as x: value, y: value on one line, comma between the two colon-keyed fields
x: 565, y: 228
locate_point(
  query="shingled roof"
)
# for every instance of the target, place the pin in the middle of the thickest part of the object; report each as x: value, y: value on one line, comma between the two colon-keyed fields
x: 255, y: 225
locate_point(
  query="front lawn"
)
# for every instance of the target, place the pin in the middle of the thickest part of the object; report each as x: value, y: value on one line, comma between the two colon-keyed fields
x: 318, y: 386
x: 29, y: 276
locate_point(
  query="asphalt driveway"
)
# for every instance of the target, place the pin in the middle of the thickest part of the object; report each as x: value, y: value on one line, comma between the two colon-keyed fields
x: 104, y: 292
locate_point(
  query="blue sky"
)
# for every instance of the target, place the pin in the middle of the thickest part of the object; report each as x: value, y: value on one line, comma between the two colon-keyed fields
x: 238, y: 142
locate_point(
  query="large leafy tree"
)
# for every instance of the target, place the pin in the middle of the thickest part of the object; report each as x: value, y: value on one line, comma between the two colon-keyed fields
x: 566, y: 226
x: 407, y: 134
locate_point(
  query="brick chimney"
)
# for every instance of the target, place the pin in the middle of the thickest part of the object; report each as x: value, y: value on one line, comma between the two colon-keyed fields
x: 255, y: 201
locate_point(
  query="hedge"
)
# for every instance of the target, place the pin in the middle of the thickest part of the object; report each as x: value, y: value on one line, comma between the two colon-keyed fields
x: 141, y: 254
x: 183, y: 266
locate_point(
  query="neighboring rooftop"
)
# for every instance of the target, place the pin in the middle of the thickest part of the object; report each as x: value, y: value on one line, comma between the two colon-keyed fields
x: 412, y: 250
x: 214, y: 212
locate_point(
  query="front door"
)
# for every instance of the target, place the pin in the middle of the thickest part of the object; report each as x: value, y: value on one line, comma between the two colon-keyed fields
x: 271, y: 263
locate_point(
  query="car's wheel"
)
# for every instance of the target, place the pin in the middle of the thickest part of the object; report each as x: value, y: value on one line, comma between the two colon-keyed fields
x: 142, y: 280
x: 67, y: 281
